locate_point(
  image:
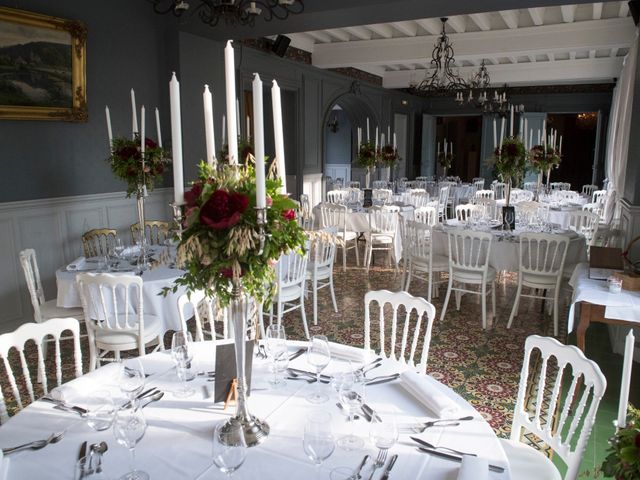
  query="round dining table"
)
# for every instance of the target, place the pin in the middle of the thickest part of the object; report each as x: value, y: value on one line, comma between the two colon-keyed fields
x: 178, y: 439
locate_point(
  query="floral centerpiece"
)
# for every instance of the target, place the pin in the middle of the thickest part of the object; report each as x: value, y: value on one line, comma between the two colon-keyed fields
x: 543, y: 158
x: 222, y: 236
x: 446, y: 160
x: 388, y: 155
x: 245, y: 148
x: 367, y: 158
x: 623, y: 460
x: 127, y: 163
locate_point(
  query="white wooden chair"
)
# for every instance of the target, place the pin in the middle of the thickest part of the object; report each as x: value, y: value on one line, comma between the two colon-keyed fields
x: 443, y: 201
x: 598, y: 196
x: 419, y: 257
x: 478, y: 183
x: 585, y: 223
x: 98, y: 242
x: 556, y: 419
x: 114, y: 315
x: 466, y: 212
x: 589, y: 189
x: 427, y: 215
x: 380, y: 185
x: 381, y: 196
x: 424, y: 316
x: 156, y: 231
x: 469, y: 265
x: 291, y: 274
x: 336, y: 216
x: 42, y: 309
x: 320, y: 269
x: 488, y: 194
x: 355, y: 196
x: 202, y: 308
x: 383, y: 229
x: 354, y: 184
x: 337, y: 196
x: 306, y: 212
x: 556, y: 186
x: 541, y: 264
x: 499, y: 190
x: 39, y: 333
x: 518, y: 196
x: 419, y: 199
x: 531, y: 186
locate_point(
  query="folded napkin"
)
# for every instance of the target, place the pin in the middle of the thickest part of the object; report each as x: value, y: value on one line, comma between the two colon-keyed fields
x: 78, y: 264
x: 473, y: 468
x: 347, y: 352
x: 75, y: 391
x: 427, y: 391
x: 131, y: 251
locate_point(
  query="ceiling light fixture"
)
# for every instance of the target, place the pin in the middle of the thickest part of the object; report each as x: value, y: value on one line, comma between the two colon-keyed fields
x: 231, y: 12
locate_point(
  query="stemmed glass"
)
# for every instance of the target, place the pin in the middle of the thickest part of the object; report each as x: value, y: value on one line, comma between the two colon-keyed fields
x: 101, y: 410
x: 132, y: 378
x: 352, y: 397
x: 276, y: 345
x: 384, y: 433
x: 129, y: 428
x: 182, y: 355
x: 318, y: 356
x: 318, y: 441
x: 229, y: 447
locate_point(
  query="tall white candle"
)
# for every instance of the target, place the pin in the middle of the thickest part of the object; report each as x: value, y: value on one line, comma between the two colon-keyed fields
x: 395, y: 141
x: 626, y: 379
x: 382, y: 139
x: 142, y: 133
x: 109, y: 131
x: 359, y: 137
x: 238, y: 117
x: 539, y: 140
x: 495, y: 133
x: 134, y: 115
x: 278, y: 135
x: 389, y: 132
x: 450, y: 148
x: 248, y: 127
x: 560, y: 146
x: 525, y: 129
x: 511, y: 123
x: 258, y: 133
x: 224, y: 129
x: 176, y: 138
x: 376, y: 138
x: 158, y: 131
x: 520, y: 127
x: 207, y: 102
x: 438, y: 148
x: 230, y: 84
x: 445, y: 147
x: 531, y: 138
x: 501, y: 132
x: 368, y: 136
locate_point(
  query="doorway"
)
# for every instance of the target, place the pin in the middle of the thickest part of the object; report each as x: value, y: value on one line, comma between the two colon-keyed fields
x: 464, y: 135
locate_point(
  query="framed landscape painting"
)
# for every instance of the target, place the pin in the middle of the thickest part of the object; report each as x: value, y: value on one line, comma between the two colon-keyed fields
x: 42, y: 67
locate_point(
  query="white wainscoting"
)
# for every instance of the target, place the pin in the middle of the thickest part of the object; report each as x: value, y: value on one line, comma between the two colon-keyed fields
x: 53, y: 227
x: 312, y: 186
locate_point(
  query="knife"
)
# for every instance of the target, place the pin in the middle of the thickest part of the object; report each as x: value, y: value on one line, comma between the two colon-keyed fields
x: 297, y: 354
x: 323, y: 378
x: 385, y: 474
x: 65, y: 406
x: 384, y: 379
x: 370, y: 413
x: 82, y: 458
x: 455, y: 458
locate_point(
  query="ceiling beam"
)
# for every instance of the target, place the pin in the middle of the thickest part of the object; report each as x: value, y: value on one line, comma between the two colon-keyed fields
x: 457, y: 23
x: 381, y: 29
x: 319, y: 36
x: 510, y: 17
x: 568, y: 13
x: 597, y: 10
x: 339, y: 34
x: 409, y: 28
x: 562, y: 71
x: 624, y: 9
x: 537, y: 15
x: 302, y: 41
x: 591, y: 34
x: 481, y: 20
x: 431, y: 25
x: 361, y: 33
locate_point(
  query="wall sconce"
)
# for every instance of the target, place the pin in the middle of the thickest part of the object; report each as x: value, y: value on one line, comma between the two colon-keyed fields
x: 333, y: 124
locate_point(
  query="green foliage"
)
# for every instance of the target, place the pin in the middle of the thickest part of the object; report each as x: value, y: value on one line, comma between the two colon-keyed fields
x: 388, y: 155
x: 542, y: 158
x: 367, y: 155
x: 509, y: 160
x: 623, y: 459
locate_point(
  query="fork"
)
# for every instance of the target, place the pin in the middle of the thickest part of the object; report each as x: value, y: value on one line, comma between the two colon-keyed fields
x: 380, y: 460
x: 36, y: 444
x: 452, y: 450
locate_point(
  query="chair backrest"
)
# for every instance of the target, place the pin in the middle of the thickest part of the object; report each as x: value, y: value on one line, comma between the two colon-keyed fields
x: 489, y: 207
x: 466, y: 212
x: 589, y: 189
x: 32, y: 276
x: 598, y: 196
x: 584, y: 222
x: 377, y: 184
x: 305, y: 204
x: 38, y: 333
x: 98, y: 242
x: 417, y: 240
x: 558, y: 418
x: 354, y: 184
x: 424, y: 315
x: 156, y: 231
x: 112, y: 303
x: 490, y: 194
x: 556, y: 185
x: 354, y: 196
x: 337, y: 196
x: 201, y: 306
x: 427, y: 215
x: 469, y: 250
x: 530, y: 186
x: 499, y: 190
x: 518, y: 196
x: 596, y: 208
x: 478, y: 183
x: 568, y: 195
x: 323, y: 252
x: 382, y: 195
x: 543, y: 254
x: 291, y: 270
x: 383, y: 220
x: 610, y: 204
x: 333, y: 215
x: 443, y: 195
x: 419, y: 199
x: 338, y: 183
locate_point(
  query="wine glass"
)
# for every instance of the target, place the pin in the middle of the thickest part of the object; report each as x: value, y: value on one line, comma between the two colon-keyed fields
x: 384, y: 433
x: 509, y: 217
x: 276, y: 345
x: 318, y: 356
x: 182, y: 355
x: 229, y: 447
x: 118, y: 248
x: 318, y: 441
x: 129, y: 428
x: 101, y: 410
x: 131, y: 378
x: 352, y: 397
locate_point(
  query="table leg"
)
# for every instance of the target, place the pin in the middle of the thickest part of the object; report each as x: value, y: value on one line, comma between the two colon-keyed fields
x: 586, y: 311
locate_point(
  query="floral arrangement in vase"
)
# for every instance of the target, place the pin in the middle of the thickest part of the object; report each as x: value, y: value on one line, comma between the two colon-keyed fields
x: 543, y: 157
x: 127, y: 163
x: 510, y: 159
x: 388, y: 155
x: 245, y: 148
x: 222, y: 236
x: 446, y: 160
x: 623, y: 459
x: 367, y: 155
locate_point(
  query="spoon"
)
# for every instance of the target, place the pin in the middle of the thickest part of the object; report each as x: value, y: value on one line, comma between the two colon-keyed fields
x: 153, y: 398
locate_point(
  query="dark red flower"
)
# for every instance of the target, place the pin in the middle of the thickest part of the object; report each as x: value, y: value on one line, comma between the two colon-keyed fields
x: 148, y: 143
x: 512, y: 149
x: 227, y: 272
x: 128, y: 152
x: 160, y: 169
x: 289, y: 214
x: 191, y: 197
x: 637, y: 440
x: 223, y: 210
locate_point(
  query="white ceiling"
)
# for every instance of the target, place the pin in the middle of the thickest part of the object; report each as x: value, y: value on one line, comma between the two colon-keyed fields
x: 533, y: 46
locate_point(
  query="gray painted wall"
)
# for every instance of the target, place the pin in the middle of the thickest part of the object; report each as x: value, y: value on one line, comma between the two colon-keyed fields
x: 338, y: 144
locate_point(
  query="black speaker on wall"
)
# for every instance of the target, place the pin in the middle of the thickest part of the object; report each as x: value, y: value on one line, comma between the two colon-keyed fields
x: 634, y: 8
x: 280, y: 45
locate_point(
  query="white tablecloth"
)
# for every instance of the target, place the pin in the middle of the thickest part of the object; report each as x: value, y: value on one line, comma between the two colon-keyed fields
x: 177, y: 443
x: 619, y: 306
x: 504, y: 248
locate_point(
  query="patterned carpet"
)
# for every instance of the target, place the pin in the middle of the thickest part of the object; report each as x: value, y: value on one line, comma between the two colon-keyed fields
x: 482, y: 366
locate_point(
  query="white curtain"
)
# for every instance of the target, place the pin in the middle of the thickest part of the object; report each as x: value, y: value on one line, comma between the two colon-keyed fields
x: 620, y: 122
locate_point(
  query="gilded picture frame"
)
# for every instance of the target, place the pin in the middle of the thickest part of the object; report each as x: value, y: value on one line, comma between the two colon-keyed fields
x: 42, y: 67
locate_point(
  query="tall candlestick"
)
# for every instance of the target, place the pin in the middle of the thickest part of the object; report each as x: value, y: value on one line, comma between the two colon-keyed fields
x: 389, y: 132
x: 531, y: 138
x: 560, y: 146
x: 382, y: 139
x: 142, y: 133
x: 376, y: 138
x: 207, y: 101
x: 511, y: 123
x: 520, y: 128
x: 238, y: 117
x: 278, y: 134
x: 230, y: 84
x: 495, y: 133
x: 109, y: 131
x: 134, y: 115
x: 368, y: 137
x: 450, y: 148
x: 539, y: 140
x: 258, y: 133
x: 445, y: 147
x: 158, y: 131
x: 525, y: 128
x: 395, y: 141
x: 626, y: 379
x: 248, y: 127
x: 224, y: 129
x: 176, y: 138
x: 501, y: 132
x: 438, y: 148
x: 359, y: 137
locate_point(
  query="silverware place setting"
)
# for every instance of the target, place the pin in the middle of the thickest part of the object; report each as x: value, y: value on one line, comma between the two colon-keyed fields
x: 382, y: 379
x: 442, y: 422
x: 36, y: 444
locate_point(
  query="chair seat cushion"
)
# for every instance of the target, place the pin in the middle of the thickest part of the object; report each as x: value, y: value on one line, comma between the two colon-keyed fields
x: 49, y: 309
x: 287, y: 294
x: 474, y: 277
x: 348, y: 236
x: 440, y: 263
x: 128, y: 339
x: 527, y: 463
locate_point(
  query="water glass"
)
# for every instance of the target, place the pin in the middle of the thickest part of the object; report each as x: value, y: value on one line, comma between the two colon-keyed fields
x: 129, y: 428
x: 132, y: 378
x: 101, y: 410
x: 384, y: 432
x: 318, y: 356
x: 351, y: 395
x: 229, y: 447
x: 182, y: 355
x: 276, y: 345
x: 318, y: 441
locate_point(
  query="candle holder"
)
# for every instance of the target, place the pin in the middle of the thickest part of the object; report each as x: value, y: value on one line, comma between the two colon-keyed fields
x: 261, y: 219
x: 178, y: 218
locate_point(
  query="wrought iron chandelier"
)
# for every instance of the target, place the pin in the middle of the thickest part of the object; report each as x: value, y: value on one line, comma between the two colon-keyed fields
x: 442, y: 77
x: 231, y: 12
